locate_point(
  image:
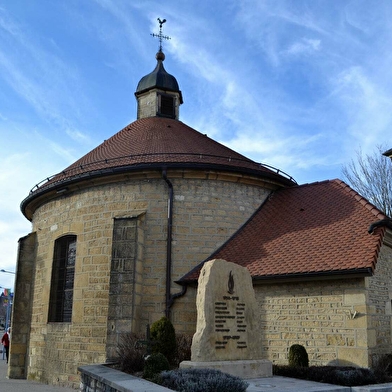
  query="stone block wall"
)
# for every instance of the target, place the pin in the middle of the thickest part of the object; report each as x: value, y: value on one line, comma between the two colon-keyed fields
x: 329, y: 318
x: 379, y: 289
x: 340, y: 322
x: 22, y: 306
x: 208, y: 208
x: 148, y: 104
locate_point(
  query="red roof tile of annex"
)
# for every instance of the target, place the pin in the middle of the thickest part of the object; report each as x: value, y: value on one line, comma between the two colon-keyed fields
x: 312, y: 229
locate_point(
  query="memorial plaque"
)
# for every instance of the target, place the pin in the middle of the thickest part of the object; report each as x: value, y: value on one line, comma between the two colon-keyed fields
x: 227, y: 315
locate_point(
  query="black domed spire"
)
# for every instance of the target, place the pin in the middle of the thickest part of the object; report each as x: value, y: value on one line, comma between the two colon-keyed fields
x: 158, y: 78
x: 161, y: 84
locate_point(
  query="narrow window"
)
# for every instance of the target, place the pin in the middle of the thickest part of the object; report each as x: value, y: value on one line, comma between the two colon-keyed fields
x: 166, y: 106
x: 63, y: 271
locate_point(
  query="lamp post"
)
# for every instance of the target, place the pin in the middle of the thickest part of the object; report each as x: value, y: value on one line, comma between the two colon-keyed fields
x: 7, y: 272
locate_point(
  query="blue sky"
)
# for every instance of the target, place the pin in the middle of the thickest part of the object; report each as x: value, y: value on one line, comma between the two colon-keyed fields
x: 300, y: 85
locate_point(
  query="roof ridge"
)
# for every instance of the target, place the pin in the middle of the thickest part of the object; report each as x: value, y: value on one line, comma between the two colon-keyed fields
x: 355, y: 194
x: 372, y: 209
x: 361, y: 199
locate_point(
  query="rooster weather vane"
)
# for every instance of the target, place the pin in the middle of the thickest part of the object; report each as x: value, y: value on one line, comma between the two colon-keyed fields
x: 160, y: 36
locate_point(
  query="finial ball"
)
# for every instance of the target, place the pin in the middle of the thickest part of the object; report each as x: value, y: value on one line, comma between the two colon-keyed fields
x: 160, y: 56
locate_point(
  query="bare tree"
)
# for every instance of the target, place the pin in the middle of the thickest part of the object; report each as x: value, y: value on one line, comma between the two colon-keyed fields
x: 371, y: 177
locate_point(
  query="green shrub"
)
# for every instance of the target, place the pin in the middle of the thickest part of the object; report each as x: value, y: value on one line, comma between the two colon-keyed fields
x: 338, y: 375
x: 130, y: 359
x: 353, y: 377
x: 383, y: 367
x: 164, y: 337
x: 298, y: 357
x: 201, y: 380
x: 155, y: 364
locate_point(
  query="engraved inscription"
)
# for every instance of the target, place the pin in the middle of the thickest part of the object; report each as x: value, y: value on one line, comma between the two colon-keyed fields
x: 230, y: 324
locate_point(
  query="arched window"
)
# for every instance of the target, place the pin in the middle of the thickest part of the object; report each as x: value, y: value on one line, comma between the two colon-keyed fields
x: 63, y: 272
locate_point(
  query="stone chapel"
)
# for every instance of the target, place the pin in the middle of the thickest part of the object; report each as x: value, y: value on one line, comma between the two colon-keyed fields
x: 118, y: 239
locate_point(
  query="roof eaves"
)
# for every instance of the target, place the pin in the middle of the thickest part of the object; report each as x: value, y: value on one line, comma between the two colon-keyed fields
x: 280, y: 278
x: 331, y: 274
x: 388, y: 153
x: 61, y: 183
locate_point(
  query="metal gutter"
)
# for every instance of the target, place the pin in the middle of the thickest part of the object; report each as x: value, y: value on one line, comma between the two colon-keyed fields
x: 322, y: 275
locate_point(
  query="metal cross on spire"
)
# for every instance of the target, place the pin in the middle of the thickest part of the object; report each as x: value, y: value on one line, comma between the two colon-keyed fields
x: 160, y: 35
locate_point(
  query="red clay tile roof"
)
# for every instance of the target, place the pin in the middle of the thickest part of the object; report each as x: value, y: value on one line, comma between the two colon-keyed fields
x: 312, y: 229
x: 161, y: 141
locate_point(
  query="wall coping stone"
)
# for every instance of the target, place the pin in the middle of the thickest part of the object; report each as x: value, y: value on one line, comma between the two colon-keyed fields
x: 124, y: 382
x: 120, y: 381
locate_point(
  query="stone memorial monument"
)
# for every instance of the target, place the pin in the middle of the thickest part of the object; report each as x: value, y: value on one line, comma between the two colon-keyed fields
x: 228, y: 335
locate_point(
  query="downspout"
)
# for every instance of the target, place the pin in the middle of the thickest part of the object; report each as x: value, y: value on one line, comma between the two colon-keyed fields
x: 168, y: 242
x: 169, y: 297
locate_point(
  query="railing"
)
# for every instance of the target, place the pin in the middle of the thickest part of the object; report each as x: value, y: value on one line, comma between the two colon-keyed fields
x: 141, y: 158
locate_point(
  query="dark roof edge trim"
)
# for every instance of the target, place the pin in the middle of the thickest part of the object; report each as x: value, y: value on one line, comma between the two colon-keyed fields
x: 131, y: 168
x: 387, y: 222
x: 164, y: 89
x: 256, y: 167
x: 358, y: 272
x: 388, y: 153
x: 336, y: 274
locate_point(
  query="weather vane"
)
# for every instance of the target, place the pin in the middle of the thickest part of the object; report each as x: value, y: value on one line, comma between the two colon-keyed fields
x: 160, y: 35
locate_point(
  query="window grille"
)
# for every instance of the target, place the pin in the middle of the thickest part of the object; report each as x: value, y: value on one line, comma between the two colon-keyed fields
x: 63, y: 272
x: 166, y: 106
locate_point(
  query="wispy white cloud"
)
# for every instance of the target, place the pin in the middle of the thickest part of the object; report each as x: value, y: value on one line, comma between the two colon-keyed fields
x: 12, y: 224
x: 39, y: 77
x: 368, y: 106
x: 305, y: 46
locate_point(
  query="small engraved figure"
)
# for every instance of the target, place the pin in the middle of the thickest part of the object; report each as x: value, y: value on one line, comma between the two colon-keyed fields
x: 230, y: 283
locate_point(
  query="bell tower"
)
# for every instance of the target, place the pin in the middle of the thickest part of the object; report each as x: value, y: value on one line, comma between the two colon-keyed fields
x: 158, y: 93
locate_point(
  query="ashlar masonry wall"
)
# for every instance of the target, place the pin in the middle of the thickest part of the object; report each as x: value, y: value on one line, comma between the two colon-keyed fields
x: 208, y: 208
x: 329, y: 318
x: 340, y: 322
x: 379, y: 289
x: 21, y: 314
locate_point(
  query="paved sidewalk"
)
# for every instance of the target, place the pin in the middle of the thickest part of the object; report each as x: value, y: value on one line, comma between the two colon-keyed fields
x: 13, y: 385
x: 285, y: 384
